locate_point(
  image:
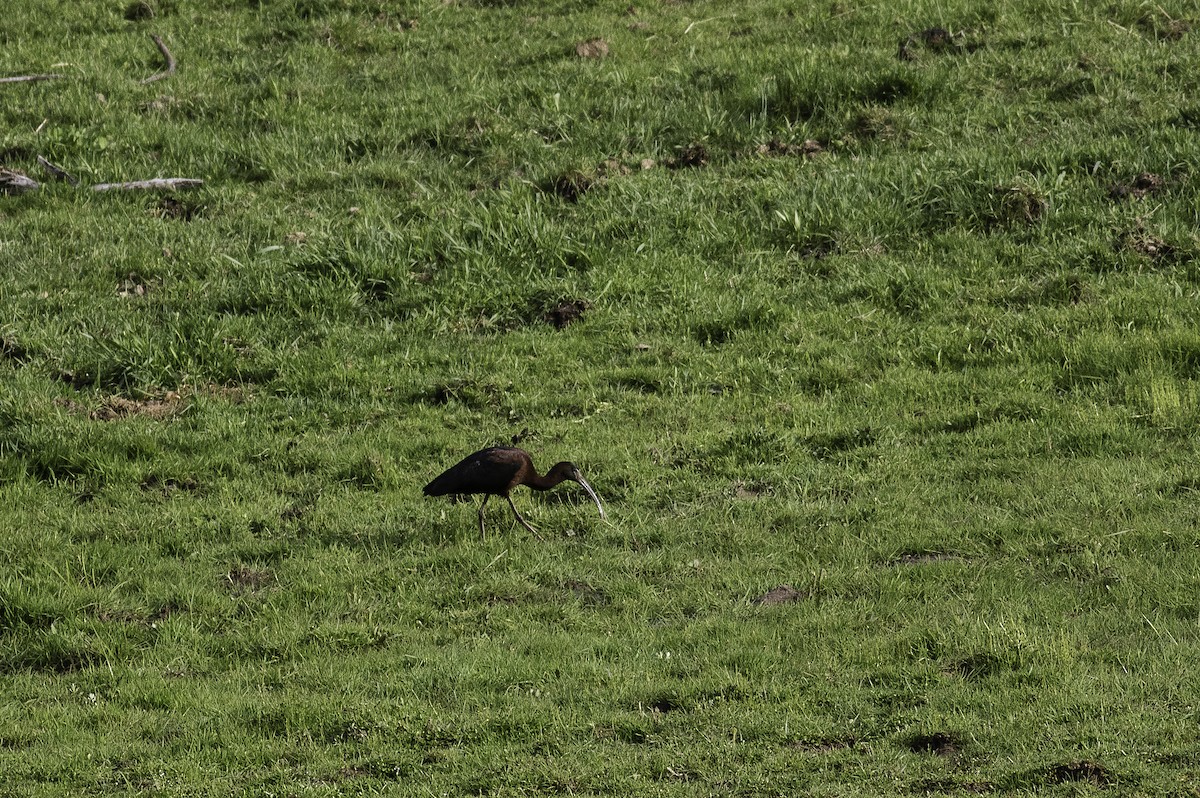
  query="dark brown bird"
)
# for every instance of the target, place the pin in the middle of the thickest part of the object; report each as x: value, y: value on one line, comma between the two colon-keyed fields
x: 496, y: 471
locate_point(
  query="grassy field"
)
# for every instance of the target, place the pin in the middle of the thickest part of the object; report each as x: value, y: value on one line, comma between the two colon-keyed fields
x: 893, y: 304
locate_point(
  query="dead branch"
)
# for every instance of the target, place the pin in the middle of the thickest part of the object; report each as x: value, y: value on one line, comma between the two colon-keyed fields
x: 28, y: 78
x: 16, y: 183
x: 57, y: 171
x: 157, y: 184
x: 162, y: 48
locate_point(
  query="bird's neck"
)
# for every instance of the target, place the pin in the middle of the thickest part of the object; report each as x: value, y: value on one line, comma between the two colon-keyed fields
x: 545, y: 481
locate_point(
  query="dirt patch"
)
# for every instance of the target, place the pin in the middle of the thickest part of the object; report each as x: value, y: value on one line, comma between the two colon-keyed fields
x: 827, y: 445
x: 1019, y: 205
x: 693, y: 156
x: 875, y: 122
x: 784, y: 594
x: 824, y: 745
x: 566, y: 312
x: 611, y: 167
x: 148, y: 620
x: 661, y: 704
x: 1150, y: 246
x: 570, y: 186
x: 953, y: 787
x: 133, y: 286
x: 923, y: 557
x: 234, y: 394
x: 1162, y: 26
x: 934, y: 41
x: 809, y: 148
x: 173, y: 208
x: 941, y: 744
x: 587, y: 594
x: 163, y: 103
x: 13, y: 351
x: 750, y: 490
x: 138, y: 11
x: 246, y: 579
x: 592, y: 48
x: 1141, y: 185
x: 816, y: 247
x: 1175, y: 30
x: 974, y: 667
x: 168, y: 485
x: 117, y: 407
x: 1083, y: 771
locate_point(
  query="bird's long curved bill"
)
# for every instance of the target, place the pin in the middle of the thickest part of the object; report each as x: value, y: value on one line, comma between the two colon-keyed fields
x: 595, y: 498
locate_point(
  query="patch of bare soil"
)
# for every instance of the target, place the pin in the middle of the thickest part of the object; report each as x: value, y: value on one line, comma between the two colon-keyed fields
x: 117, y: 407
x: 1175, y: 29
x: 133, y: 286
x: 941, y: 744
x: 875, y: 122
x: 592, y: 48
x: 1019, y: 205
x: 816, y: 248
x: 611, y: 167
x: 935, y: 41
x: 1143, y: 243
x: 784, y: 594
x: 587, y: 594
x: 1141, y: 185
x: 749, y: 490
x: 974, y: 667
x: 150, y: 620
x: 245, y: 579
x: 570, y: 186
x: 168, y: 485
x: 809, y: 148
x: 1162, y: 26
x: 1084, y: 771
x: 139, y: 10
x: 160, y: 104
x: 824, y: 745
x: 174, y: 208
x: 693, y: 156
x: 922, y: 557
x: 953, y: 787
x: 234, y: 394
x: 566, y: 312
x: 10, y: 349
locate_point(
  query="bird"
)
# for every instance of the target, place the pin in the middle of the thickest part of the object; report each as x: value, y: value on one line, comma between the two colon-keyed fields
x: 495, y: 471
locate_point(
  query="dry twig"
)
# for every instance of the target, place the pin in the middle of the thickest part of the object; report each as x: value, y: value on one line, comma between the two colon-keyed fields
x: 157, y: 184
x: 162, y: 48
x: 57, y: 171
x: 29, y: 78
x: 16, y: 183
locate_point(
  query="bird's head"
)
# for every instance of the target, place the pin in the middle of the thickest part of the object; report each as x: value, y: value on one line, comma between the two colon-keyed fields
x: 567, y: 470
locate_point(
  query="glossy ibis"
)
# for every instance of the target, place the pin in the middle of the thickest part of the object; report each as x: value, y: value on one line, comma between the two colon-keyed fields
x: 496, y: 471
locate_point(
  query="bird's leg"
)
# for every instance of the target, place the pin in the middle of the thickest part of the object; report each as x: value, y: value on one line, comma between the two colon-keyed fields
x: 482, y: 533
x: 524, y: 523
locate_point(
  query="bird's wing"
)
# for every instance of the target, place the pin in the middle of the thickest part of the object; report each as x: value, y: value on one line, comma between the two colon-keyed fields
x: 487, y: 471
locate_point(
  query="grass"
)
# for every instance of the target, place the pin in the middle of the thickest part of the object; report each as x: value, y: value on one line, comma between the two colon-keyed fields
x: 895, y: 305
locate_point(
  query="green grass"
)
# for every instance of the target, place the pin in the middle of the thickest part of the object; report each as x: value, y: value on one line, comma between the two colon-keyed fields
x: 938, y: 371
